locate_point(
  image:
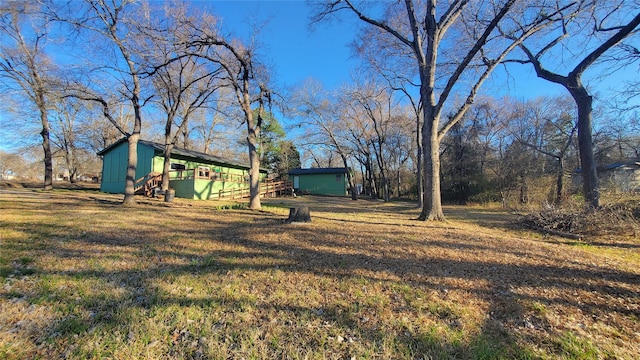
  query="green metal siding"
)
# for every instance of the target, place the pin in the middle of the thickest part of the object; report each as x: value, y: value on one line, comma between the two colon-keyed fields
x: 183, y: 188
x: 323, y: 184
x: 210, y: 189
x: 203, y: 189
x: 112, y: 173
x: 158, y: 162
x: 145, y: 154
x: 114, y: 166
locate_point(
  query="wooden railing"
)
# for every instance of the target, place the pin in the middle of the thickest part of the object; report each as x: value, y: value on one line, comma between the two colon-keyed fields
x: 267, y: 189
x: 274, y: 188
x: 181, y: 174
x: 234, y: 193
x: 206, y: 175
x: 146, y: 184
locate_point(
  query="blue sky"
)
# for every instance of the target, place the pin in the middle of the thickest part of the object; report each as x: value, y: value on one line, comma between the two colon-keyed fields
x: 298, y: 53
x: 288, y: 43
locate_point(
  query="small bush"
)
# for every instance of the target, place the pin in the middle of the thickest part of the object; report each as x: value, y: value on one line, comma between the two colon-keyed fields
x: 231, y: 207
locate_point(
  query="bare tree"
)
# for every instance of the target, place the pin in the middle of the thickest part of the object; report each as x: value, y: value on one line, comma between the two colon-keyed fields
x: 623, y: 128
x: 95, y: 132
x: 25, y: 65
x: 368, y: 114
x: 607, y: 18
x: 401, y: 151
x: 67, y: 111
x: 548, y: 127
x: 12, y: 165
x: 184, y: 85
x: 244, y: 74
x: 424, y: 29
x: 394, y: 64
x: 213, y: 124
x: 321, y: 123
x: 118, y: 26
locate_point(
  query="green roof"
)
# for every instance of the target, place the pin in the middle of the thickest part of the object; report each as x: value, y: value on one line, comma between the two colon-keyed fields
x: 316, y: 171
x: 183, y: 152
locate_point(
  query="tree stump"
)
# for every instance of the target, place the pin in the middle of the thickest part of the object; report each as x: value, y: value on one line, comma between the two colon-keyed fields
x: 298, y: 214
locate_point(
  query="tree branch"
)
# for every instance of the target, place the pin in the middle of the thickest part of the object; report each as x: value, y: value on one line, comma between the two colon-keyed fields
x: 472, y: 53
x: 611, y: 42
x: 378, y: 24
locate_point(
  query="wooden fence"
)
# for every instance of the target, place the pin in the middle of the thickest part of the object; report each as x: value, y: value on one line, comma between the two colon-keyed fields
x: 267, y: 189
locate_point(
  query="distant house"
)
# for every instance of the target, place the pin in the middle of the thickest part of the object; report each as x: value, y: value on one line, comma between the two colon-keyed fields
x: 621, y: 176
x: 7, y: 175
x: 193, y: 175
x: 320, y: 181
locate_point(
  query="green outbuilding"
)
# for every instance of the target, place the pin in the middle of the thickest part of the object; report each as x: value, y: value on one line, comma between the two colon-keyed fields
x: 193, y: 175
x: 320, y: 181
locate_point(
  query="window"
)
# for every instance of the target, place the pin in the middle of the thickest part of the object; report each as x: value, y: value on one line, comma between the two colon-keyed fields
x: 175, y: 166
x: 338, y: 177
x: 203, y: 171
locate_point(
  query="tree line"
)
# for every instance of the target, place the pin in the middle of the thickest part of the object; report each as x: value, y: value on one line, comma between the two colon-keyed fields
x: 505, y: 150
x: 413, y: 120
x: 134, y: 56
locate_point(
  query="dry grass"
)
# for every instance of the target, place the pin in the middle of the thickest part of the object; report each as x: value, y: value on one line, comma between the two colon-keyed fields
x: 81, y: 277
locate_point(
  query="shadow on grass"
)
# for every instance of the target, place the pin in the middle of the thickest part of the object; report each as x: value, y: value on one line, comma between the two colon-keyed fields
x: 248, y: 249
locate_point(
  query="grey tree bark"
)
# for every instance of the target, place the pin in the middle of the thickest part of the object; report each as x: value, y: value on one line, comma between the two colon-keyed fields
x: 584, y: 101
x: 423, y: 36
x: 244, y: 74
x: 23, y: 63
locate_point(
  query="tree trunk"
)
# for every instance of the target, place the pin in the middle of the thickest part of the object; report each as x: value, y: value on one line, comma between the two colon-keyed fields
x: 427, y: 60
x: 71, y: 166
x: 384, y: 183
x: 48, y: 164
x: 419, y: 165
x: 371, y: 180
x: 398, y: 183
x: 253, y: 134
x: 385, y: 188
x: 254, y: 176
x: 352, y: 183
x: 300, y: 214
x: 254, y: 158
x: 130, y: 181
x: 375, y: 186
x: 69, y: 161
x: 168, y: 148
x: 524, y: 190
x: 46, y: 143
x: 584, y: 102
x: 432, y: 203
x: 185, y: 135
x: 560, y: 180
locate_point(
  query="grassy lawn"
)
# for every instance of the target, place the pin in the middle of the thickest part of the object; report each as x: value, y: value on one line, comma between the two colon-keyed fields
x: 81, y: 278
